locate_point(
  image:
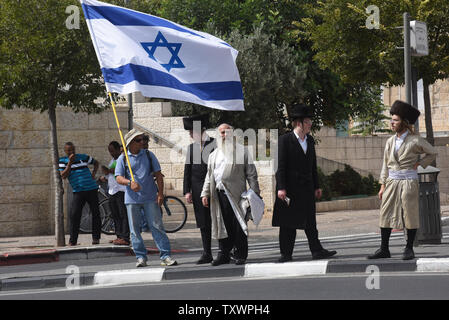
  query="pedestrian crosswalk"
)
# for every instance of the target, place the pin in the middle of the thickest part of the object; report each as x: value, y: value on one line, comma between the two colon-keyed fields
x: 332, y: 241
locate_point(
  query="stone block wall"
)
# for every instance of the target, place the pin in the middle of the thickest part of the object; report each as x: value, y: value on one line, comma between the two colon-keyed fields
x: 365, y: 154
x: 25, y: 161
x: 439, y: 99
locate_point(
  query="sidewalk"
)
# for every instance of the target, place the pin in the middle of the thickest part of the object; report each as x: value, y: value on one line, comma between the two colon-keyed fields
x: 354, y: 234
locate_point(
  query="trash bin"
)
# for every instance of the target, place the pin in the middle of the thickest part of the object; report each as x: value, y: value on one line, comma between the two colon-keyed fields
x: 429, y: 231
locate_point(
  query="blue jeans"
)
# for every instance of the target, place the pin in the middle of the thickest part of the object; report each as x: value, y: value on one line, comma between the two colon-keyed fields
x: 152, y: 214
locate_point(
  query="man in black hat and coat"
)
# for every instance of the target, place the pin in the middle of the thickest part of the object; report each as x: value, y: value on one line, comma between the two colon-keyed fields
x: 195, y: 170
x: 297, y: 187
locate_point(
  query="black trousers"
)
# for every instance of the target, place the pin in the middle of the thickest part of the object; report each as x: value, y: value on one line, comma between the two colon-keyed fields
x: 78, y: 201
x: 119, y: 215
x: 287, y: 237
x: 206, y: 234
x: 236, y: 237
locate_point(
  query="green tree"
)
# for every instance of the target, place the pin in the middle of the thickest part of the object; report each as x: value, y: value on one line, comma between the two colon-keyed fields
x: 272, y: 77
x: 43, y: 65
x: 372, y: 121
x: 333, y: 100
x: 343, y: 43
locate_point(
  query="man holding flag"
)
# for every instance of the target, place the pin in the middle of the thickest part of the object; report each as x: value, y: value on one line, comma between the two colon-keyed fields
x: 161, y: 59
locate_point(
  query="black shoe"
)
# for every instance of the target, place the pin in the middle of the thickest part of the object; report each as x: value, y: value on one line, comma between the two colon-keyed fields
x: 205, y: 258
x: 240, y: 261
x: 408, y: 254
x: 323, y: 254
x: 221, y: 259
x: 283, y: 259
x: 380, y: 254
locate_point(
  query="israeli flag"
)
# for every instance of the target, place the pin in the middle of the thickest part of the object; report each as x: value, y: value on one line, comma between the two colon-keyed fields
x: 162, y: 59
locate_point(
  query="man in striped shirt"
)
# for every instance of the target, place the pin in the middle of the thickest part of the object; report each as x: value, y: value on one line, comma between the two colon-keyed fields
x: 75, y: 167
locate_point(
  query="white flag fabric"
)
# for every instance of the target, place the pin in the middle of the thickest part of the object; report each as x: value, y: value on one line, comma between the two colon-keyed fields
x: 162, y: 59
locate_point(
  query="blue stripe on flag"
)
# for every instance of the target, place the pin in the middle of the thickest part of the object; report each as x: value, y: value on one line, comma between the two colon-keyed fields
x: 123, y: 17
x: 208, y: 91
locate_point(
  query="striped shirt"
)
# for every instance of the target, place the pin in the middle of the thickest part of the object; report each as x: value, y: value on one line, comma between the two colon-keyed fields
x: 80, y: 177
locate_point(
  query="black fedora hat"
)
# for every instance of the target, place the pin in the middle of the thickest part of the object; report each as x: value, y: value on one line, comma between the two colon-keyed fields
x: 300, y: 110
x: 188, y: 121
x: 405, y: 111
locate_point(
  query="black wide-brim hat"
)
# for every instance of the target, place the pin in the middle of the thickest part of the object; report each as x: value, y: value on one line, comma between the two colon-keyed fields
x: 405, y: 111
x: 299, y: 110
x: 188, y: 121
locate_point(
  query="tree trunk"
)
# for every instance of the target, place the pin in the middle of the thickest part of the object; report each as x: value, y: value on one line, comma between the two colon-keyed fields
x: 57, y: 180
x: 428, y: 112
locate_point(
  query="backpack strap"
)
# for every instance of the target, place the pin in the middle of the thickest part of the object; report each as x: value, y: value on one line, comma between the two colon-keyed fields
x: 150, y: 159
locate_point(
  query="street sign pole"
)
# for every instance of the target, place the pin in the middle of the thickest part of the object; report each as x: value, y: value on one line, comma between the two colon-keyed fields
x: 407, y: 59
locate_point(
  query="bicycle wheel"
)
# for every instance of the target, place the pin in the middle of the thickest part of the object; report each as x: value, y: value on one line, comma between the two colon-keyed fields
x: 86, y: 220
x: 174, y: 214
x: 107, y: 223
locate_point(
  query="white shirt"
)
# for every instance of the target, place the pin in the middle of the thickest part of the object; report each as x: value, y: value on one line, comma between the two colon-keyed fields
x: 303, y: 143
x: 220, y: 164
x: 113, y: 185
x: 400, y: 140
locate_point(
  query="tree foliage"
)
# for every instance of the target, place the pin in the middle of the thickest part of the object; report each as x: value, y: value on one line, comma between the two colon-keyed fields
x: 43, y: 64
x: 343, y: 43
x: 272, y: 77
x: 43, y: 61
x: 371, y: 121
x: 333, y: 100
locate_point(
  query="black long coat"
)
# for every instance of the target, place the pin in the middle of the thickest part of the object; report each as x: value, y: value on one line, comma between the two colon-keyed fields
x: 296, y: 173
x: 195, y: 170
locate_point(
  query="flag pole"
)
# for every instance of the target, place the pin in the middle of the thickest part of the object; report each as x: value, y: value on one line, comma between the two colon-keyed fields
x: 121, y: 136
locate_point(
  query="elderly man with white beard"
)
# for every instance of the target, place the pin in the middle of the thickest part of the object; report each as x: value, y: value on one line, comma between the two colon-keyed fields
x: 229, y: 167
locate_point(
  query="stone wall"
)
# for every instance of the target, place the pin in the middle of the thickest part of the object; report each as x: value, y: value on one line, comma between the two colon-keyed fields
x: 25, y: 161
x: 439, y: 99
x: 365, y: 154
x: 25, y: 184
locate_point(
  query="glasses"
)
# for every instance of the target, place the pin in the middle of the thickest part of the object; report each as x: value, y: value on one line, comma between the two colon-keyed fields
x: 144, y: 139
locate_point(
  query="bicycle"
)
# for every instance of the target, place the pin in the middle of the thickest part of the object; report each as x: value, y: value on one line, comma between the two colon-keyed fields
x: 107, y: 223
x: 173, y: 211
x: 174, y: 214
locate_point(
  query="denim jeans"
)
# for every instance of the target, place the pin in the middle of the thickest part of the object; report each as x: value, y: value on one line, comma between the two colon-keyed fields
x: 152, y: 214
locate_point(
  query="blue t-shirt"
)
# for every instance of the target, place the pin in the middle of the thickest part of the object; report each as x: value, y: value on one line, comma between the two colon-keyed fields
x: 143, y: 175
x: 80, y: 177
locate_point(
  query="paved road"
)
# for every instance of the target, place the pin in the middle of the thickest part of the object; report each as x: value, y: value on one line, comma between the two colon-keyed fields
x: 335, y: 287
x: 354, y: 234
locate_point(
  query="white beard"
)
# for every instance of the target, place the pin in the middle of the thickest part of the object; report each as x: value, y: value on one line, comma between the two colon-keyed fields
x: 232, y: 151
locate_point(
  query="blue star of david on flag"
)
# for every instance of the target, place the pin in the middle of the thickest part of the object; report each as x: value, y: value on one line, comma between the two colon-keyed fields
x: 207, y: 75
x: 173, y: 48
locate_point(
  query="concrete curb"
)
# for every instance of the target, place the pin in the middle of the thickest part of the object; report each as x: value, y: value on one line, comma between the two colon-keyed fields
x: 66, y: 254
x: 251, y: 270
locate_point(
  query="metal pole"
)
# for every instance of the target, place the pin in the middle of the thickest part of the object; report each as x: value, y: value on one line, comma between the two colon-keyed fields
x: 407, y: 59
x: 130, y: 111
x: 130, y: 100
x: 415, y: 95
